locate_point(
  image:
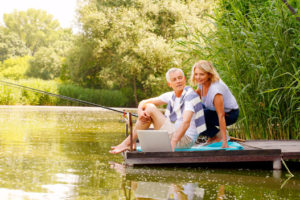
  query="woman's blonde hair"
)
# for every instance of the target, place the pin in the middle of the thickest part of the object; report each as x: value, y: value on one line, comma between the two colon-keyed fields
x: 207, y: 67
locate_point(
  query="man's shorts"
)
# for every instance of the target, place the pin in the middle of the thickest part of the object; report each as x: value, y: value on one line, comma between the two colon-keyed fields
x: 185, y: 141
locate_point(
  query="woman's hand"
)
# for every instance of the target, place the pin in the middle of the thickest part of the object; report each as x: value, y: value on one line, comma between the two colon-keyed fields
x: 225, y: 144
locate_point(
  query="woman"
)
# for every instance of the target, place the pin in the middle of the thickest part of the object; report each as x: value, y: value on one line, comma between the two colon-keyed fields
x: 220, y: 106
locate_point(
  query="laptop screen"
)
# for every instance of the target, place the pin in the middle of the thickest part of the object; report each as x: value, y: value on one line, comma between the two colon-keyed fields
x: 154, y: 140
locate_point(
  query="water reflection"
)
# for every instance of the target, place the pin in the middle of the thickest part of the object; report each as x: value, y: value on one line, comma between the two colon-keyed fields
x: 181, y: 183
x: 62, y: 153
x: 55, y: 152
x: 157, y: 190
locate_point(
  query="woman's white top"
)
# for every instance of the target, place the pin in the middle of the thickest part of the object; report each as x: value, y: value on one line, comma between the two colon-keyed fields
x: 219, y: 87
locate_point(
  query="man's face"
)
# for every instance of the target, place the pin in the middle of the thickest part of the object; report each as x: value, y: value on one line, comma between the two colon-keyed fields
x: 177, y: 81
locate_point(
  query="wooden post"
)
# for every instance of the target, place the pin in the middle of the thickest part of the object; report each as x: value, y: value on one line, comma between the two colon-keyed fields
x: 126, y: 123
x: 237, y: 139
x: 277, y: 164
x: 130, y: 128
x: 126, y: 127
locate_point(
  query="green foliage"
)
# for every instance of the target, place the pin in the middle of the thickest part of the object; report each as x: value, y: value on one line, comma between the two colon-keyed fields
x: 101, y: 97
x: 36, y: 28
x: 63, y: 43
x: 256, y: 49
x: 46, y: 64
x: 17, y: 96
x: 131, y: 43
x: 15, y: 68
x: 37, y: 32
x: 11, y: 45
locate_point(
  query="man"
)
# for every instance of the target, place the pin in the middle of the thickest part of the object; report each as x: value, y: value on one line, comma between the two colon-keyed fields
x: 184, y: 117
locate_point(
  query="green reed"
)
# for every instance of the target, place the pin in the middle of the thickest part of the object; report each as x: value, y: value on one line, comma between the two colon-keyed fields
x: 99, y: 96
x: 17, y: 96
x: 255, y: 47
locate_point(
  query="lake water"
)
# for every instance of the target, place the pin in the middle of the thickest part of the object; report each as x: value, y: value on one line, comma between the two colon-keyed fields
x: 62, y: 153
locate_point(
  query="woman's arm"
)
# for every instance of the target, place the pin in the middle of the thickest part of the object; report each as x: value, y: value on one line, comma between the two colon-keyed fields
x: 219, y: 105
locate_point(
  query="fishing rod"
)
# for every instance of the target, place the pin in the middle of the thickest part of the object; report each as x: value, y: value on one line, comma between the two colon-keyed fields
x: 63, y: 97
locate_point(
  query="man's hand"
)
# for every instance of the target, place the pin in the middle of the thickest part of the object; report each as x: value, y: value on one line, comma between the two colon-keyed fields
x: 173, y: 143
x: 187, y: 116
x: 143, y: 116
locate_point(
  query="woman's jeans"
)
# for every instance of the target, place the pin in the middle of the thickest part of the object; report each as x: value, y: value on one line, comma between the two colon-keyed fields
x: 212, y: 120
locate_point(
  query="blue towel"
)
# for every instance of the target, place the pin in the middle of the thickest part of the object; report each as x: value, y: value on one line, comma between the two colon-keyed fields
x: 214, y: 146
x: 210, y: 147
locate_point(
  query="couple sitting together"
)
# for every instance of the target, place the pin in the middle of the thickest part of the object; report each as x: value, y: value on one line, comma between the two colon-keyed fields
x: 206, y: 110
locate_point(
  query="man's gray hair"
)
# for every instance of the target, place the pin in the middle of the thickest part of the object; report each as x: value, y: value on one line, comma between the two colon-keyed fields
x: 174, y: 69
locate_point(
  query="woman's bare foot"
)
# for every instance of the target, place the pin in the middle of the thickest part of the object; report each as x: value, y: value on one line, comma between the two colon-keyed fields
x: 216, y: 138
x: 211, y: 140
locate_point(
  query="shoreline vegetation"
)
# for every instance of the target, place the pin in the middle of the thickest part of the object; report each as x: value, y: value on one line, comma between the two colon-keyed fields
x: 125, y: 47
x: 18, y: 96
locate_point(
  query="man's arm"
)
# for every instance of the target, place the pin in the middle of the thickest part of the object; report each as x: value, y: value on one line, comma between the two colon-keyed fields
x: 143, y: 116
x: 155, y: 100
x: 187, y: 117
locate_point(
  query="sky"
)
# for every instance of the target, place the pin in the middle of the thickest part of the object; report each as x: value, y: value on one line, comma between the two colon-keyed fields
x: 62, y: 10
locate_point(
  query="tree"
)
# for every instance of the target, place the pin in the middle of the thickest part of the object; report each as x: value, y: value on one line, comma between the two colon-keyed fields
x: 45, y: 67
x: 36, y: 28
x: 131, y: 43
x: 11, y: 45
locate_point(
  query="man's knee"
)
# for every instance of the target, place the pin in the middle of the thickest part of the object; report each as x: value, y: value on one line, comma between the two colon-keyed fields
x: 150, y: 108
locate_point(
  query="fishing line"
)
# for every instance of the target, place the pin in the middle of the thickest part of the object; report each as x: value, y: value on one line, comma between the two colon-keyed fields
x: 62, y: 97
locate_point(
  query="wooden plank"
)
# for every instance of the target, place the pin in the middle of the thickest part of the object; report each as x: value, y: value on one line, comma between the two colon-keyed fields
x: 223, y: 159
x: 291, y: 155
x: 284, y: 145
x: 255, y: 151
x: 136, y: 154
x: 138, y: 158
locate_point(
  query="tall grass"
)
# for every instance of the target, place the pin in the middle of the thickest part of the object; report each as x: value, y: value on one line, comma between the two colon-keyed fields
x: 256, y: 48
x: 99, y: 96
x: 17, y: 96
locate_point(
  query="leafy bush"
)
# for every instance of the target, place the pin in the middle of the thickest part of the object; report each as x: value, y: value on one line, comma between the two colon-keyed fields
x: 15, y: 68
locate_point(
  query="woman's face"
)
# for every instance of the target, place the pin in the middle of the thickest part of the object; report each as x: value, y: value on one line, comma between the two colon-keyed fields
x: 201, y: 76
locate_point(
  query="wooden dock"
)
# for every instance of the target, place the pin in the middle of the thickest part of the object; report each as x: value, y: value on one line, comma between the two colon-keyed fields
x: 254, y: 151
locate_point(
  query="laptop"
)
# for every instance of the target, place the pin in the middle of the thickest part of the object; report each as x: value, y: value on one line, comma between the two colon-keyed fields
x: 154, y: 140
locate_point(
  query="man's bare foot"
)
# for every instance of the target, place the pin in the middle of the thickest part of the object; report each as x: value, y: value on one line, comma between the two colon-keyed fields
x: 118, y: 167
x: 119, y: 149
